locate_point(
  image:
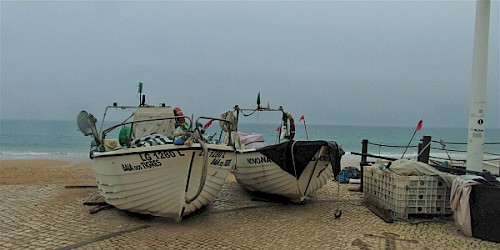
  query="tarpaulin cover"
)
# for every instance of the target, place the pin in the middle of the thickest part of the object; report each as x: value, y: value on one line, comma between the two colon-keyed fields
x: 163, y: 127
x: 304, y: 152
x: 485, y: 212
x: 252, y: 140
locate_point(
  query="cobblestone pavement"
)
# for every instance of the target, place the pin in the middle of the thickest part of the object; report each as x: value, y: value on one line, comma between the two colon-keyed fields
x: 54, y: 217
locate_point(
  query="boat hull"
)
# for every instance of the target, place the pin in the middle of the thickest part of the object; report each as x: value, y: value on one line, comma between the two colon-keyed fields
x: 293, y: 169
x: 160, y: 180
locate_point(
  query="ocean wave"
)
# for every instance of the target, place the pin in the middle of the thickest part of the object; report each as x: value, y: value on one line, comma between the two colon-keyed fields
x: 29, y: 155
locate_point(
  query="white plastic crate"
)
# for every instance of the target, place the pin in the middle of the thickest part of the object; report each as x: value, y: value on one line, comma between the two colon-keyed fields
x: 407, y: 195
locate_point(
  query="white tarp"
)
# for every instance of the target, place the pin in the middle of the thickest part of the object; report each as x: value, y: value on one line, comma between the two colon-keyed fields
x: 163, y: 127
x: 459, y: 202
x: 461, y: 187
x: 416, y: 168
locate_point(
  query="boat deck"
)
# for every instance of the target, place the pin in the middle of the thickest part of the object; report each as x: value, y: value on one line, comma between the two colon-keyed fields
x: 52, y: 216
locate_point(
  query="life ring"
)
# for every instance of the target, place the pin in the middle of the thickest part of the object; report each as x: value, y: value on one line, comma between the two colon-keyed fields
x: 180, y: 116
x: 288, y: 120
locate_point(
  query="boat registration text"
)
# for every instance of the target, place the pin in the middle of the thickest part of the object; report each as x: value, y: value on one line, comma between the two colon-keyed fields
x: 151, y: 160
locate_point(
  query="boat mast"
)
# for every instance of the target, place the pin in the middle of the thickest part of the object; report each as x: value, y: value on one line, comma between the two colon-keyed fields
x: 477, y: 122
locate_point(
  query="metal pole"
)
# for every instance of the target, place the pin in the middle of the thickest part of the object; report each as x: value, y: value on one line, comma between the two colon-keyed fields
x: 477, y: 112
x: 407, y: 146
x: 305, y: 128
x: 364, y: 151
x: 424, y: 149
x: 364, y: 162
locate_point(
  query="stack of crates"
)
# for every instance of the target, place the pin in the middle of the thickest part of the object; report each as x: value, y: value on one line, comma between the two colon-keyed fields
x: 407, y: 195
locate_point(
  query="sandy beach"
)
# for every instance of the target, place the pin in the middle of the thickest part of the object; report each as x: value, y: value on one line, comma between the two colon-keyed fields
x: 39, y: 172
x: 40, y: 211
x: 42, y: 171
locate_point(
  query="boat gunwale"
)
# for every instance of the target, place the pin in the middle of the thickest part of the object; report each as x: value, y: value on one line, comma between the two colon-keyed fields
x: 157, y: 148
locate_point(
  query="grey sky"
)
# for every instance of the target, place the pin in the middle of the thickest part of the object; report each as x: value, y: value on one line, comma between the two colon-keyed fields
x: 339, y: 62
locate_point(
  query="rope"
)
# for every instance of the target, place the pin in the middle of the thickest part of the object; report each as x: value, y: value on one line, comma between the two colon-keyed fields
x: 318, y: 155
x: 294, y: 169
x: 198, y: 136
x: 389, y: 146
x: 423, y: 149
x: 439, y: 142
x: 443, y: 145
x: 230, y: 117
x: 464, y: 143
x: 451, y: 150
x: 253, y: 112
x: 442, y: 158
x: 464, y: 151
x: 338, y: 196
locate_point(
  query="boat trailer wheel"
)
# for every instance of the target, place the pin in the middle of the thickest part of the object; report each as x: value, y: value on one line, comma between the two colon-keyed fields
x: 337, y: 214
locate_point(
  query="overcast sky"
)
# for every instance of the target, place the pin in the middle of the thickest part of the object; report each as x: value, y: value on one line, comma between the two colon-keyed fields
x: 338, y: 62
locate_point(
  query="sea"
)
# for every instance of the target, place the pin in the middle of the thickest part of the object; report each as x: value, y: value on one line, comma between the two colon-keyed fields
x: 40, y: 139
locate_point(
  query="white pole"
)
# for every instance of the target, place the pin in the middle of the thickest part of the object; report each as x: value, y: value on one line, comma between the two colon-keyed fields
x: 477, y: 121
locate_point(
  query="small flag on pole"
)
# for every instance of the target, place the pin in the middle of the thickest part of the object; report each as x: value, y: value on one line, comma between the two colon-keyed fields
x: 278, y: 128
x: 420, y: 125
x: 208, y: 124
x: 305, y: 127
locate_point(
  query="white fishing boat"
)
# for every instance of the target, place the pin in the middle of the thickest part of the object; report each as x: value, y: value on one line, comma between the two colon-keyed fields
x: 157, y: 165
x: 288, y: 168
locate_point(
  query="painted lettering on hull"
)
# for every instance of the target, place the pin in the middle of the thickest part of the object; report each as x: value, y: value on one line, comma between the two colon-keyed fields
x: 258, y: 160
x: 143, y: 165
x: 218, y: 159
x: 214, y: 154
x: 221, y: 162
x: 128, y: 167
x: 149, y: 160
x: 158, y: 155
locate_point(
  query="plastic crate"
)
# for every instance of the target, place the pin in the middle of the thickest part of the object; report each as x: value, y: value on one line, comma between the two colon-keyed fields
x: 407, y: 195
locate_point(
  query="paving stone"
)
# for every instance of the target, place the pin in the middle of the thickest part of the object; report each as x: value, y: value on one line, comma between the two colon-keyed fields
x: 51, y: 217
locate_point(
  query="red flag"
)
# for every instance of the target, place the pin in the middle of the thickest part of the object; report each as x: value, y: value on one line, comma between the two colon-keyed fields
x: 420, y: 125
x: 278, y: 128
x: 208, y: 124
x: 301, y: 118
